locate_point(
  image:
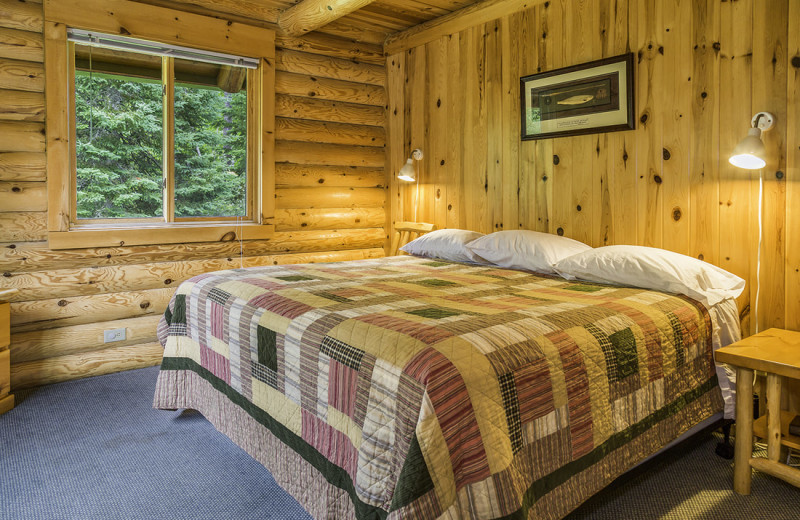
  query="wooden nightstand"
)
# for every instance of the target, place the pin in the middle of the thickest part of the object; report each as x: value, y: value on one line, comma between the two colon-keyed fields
x: 776, y: 352
x: 6, y: 399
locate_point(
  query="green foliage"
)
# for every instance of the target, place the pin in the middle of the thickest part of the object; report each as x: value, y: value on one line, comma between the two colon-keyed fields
x: 119, y: 149
x: 210, y: 152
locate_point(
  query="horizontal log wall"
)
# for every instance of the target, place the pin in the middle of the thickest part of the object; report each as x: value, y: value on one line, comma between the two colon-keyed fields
x: 702, y: 69
x: 330, y: 193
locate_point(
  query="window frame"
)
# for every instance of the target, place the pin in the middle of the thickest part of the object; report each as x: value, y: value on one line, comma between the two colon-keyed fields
x: 164, y: 25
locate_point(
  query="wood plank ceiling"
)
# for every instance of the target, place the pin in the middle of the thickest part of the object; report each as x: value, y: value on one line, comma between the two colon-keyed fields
x: 372, y: 23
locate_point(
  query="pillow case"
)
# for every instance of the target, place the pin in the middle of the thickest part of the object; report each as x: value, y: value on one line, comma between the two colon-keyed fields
x: 524, y: 249
x: 653, y: 268
x: 445, y: 244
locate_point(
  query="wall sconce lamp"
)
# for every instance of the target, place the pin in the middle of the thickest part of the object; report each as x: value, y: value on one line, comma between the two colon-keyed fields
x: 750, y: 153
x: 408, y: 172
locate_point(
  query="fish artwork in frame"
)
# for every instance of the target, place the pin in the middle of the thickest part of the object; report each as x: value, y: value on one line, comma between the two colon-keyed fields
x: 588, y: 98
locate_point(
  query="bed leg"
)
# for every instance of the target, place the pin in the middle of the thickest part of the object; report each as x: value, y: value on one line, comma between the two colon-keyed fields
x: 725, y: 449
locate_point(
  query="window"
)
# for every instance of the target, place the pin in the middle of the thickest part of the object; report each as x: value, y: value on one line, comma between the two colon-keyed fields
x: 166, y: 143
x: 157, y: 137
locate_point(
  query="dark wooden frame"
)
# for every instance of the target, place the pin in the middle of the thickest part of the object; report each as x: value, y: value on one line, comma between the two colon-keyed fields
x: 629, y: 99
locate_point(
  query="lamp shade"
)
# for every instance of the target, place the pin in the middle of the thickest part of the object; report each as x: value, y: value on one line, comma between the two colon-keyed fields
x: 407, y: 172
x: 750, y: 152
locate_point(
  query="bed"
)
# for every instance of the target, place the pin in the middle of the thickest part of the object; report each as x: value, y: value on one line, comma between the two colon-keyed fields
x: 406, y: 387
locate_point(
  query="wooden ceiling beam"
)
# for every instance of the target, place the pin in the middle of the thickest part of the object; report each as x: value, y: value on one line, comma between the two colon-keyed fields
x: 454, y: 22
x: 310, y: 15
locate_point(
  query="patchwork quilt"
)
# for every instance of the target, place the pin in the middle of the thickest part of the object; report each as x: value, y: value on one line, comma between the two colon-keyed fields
x: 409, y: 388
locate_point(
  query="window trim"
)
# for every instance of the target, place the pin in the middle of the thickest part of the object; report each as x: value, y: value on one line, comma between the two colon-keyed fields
x: 167, y: 26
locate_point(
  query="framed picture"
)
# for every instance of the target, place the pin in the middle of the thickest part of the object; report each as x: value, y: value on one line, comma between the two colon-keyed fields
x: 588, y: 98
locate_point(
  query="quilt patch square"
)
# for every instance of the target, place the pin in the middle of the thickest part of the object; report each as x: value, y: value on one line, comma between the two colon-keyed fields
x: 434, y: 282
x: 342, y: 352
x: 295, y: 278
x: 219, y: 296
x: 342, y: 384
x: 623, y: 345
x: 264, y: 374
x: 267, y: 348
x: 435, y: 313
x: 534, y: 390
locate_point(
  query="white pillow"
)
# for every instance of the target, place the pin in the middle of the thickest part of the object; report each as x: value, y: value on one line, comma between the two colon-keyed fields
x: 523, y: 249
x: 652, y: 268
x: 445, y: 244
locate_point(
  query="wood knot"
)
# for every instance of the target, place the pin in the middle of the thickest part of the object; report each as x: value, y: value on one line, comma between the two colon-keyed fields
x: 168, y: 281
x: 62, y: 303
x: 665, y: 154
x: 676, y: 214
x: 796, y: 62
x: 643, y: 119
x: 556, y: 160
x: 560, y: 232
x: 579, y: 207
x: 701, y: 256
x: 230, y: 236
x: 657, y: 179
x: 144, y: 305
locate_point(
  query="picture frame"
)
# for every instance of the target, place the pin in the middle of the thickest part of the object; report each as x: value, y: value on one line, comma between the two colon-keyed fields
x: 588, y: 98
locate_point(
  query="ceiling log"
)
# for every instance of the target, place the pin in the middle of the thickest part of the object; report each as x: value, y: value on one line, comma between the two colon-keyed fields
x: 310, y: 15
x: 456, y: 21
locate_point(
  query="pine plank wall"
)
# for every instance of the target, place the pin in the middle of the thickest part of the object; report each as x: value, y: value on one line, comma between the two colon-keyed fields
x: 702, y: 69
x: 330, y: 193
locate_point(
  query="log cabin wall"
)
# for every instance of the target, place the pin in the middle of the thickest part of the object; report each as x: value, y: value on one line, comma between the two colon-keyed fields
x: 702, y: 69
x: 330, y: 192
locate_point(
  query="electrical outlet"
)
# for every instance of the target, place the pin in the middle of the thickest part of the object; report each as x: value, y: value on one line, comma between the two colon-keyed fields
x: 113, y: 335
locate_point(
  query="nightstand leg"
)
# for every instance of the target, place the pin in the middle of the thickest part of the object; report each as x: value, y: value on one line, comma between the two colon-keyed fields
x: 742, y: 474
x: 773, y: 417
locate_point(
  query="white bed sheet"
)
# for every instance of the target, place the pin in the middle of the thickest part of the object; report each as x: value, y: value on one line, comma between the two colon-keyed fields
x: 726, y: 330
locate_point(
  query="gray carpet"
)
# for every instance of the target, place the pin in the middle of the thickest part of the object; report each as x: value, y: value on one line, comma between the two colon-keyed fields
x: 95, y: 449
x: 690, y: 482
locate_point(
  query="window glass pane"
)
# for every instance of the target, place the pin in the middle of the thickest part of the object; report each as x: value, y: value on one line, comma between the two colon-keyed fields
x: 118, y: 117
x: 210, y: 140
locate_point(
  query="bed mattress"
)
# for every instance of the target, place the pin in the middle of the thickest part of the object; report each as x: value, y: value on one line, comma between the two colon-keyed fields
x: 406, y: 387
